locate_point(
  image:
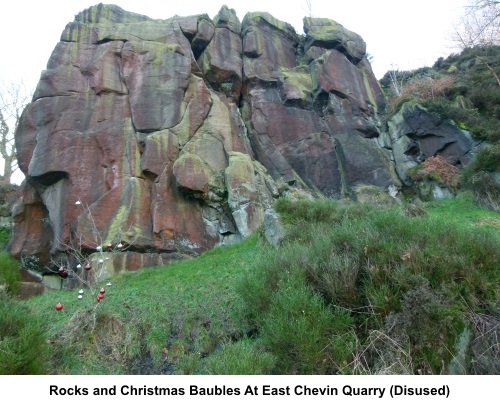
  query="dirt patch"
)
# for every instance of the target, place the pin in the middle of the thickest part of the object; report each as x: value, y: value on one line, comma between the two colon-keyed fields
x: 494, y: 222
x: 144, y: 365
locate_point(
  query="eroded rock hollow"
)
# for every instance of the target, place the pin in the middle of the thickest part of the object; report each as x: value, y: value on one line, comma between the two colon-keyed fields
x: 174, y: 136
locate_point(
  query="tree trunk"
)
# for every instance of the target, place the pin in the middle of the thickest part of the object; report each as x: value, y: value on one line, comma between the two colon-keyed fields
x: 7, y: 170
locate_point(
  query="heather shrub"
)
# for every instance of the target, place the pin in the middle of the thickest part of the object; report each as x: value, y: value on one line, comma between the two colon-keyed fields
x: 487, y: 158
x: 485, y: 347
x: 479, y: 178
x: 304, y: 334
x: 485, y: 189
x: 239, y: 358
x: 23, y: 344
x: 357, y: 275
x: 9, y: 272
x: 4, y: 237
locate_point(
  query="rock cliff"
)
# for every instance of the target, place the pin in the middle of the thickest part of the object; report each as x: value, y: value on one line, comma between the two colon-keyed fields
x: 174, y: 136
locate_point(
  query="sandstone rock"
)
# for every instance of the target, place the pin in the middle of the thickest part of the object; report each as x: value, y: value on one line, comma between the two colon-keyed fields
x: 221, y: 61
x: 272, y: 227
x: 248, y: 193
x: 269, y: 46
x: 30, y: 289
x: 157, y: 75
x: 431, y: 190
x: 192, y: 174
x: 333, y: 73
x: 374, y: 195
x: 32, y: 232
x: 174, y: 136
x: 329, y: 34
x: 31, y: 276
x: 204, y: 33
x: 296, y: 86
x: 226, y: 18
x: 417, y: 134
x: 108, y: 13
x: 52, y: 281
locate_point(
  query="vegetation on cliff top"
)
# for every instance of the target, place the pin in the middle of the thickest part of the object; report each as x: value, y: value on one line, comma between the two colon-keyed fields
x: 462, y: 88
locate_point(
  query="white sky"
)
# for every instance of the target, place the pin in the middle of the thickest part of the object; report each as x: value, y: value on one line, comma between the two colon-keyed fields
x: 403, y: 33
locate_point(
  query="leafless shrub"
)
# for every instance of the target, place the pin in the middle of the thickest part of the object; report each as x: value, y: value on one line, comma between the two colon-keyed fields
x: 75, y: 262
x: 486, y: 344
x: 104, y: 330
x: 383, y: 355
x: 427, y: 87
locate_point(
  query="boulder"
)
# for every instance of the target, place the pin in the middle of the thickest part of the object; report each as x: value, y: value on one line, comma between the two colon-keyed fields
x: 273, y: 228
x: 174, y: 136
x: 417, y: 134
x: 221, y: 61
x: 329, y: 34
x: 269, y: 46
x: 29, y: 289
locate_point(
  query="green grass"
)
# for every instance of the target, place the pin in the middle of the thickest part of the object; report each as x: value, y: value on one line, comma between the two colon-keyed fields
x: 23, y: 346
x: 5, y: 234
x: 462, y: 212
x: 354, y: 289
x: 151, y: 319
x: 416, y: 282
x: 9, y: 272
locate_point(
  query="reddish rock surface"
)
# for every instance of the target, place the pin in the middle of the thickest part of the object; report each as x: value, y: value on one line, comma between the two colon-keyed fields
x: 174, y: 136
x: 29, y: 289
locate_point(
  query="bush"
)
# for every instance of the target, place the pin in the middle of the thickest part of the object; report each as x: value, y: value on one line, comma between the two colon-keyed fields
x: 478, y: 177
x: 460, y: 87
x: 348, y: 271
x: 4, y: 237
x: 487, y: 159
x: 243, y: 357
x: 305, y: 335
x: 427, y: 322
x: 438, y: 169
x: 32, y: 263
x: 23, y: 346
x: 427, y: 87
x: 485, y: 189
x: 9, y: 272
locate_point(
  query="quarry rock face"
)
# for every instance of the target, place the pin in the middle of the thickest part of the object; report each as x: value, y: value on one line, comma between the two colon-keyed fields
x: 413, y: 134
x: 174, y: 136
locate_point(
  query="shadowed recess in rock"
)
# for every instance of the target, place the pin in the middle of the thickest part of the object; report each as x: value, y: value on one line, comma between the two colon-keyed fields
x: 175, y: 135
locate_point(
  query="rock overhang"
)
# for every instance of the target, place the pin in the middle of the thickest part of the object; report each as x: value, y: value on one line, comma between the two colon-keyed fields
x: 178, y: 134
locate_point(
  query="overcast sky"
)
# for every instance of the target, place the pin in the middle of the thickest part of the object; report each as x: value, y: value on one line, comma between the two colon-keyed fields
x: 401, y: 33
x: 407, y: 34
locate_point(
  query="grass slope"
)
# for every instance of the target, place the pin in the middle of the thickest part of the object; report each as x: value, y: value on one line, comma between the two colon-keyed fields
x: 150, y: 319
x: 353, y: 290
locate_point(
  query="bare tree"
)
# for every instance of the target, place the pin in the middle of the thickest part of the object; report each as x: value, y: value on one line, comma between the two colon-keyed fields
x: 397, y: 84
x: 13, y: 98
x: 479, y: 25
x: 309, y: 8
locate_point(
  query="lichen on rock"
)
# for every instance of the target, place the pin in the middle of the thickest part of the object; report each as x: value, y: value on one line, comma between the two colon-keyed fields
x: 178, y: 134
